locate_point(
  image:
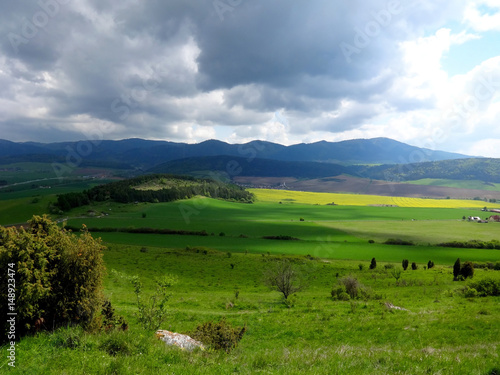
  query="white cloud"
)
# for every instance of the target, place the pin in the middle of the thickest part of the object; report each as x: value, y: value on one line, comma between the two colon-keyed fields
x: 485, y: 147
x: 483, y: 21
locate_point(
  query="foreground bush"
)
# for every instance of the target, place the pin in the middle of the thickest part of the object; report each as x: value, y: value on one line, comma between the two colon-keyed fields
x: 58, y: 277
x: 218, y: 336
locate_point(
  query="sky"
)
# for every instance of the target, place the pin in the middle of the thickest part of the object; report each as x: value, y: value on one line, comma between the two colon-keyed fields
x: 426, y: 73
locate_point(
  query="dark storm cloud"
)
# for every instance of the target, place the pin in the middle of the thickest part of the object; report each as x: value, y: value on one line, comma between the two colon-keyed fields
x: 157, y: 64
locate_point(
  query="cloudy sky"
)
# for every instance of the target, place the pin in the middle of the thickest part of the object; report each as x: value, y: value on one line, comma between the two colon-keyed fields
x: 422, y: 72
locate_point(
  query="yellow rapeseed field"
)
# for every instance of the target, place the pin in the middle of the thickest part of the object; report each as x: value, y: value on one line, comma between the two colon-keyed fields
x: 287, y: 196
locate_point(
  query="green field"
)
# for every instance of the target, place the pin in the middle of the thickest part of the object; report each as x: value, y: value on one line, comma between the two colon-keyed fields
x: 474, y: 184
x: 334, y: 232
x: 440, y: 332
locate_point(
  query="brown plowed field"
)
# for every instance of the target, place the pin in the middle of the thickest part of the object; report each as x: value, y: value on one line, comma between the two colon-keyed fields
x: 348, y: 184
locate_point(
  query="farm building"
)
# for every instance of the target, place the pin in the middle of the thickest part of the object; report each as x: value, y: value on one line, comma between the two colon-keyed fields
x: 474, y: 218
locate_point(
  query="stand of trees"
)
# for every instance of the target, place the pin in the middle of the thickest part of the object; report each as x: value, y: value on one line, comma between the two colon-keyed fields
x: 125, y: 191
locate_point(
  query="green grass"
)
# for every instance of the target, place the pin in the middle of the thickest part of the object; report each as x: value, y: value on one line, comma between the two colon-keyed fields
x: 442, y: 332
x: 334, y: 232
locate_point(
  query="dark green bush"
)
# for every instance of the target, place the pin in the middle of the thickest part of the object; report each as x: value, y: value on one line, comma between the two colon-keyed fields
x: 373, y: 264
x: 405, y: 264
x: 58, y: 276
x: 281, y: 237
x: 467, y: 270
x: 414, y: 266
x: 398, y: 241
x: 218, y: 336
x: 430, y: 264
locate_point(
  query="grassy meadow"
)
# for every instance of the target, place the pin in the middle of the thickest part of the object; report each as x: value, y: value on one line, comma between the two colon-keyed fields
x: 440, y: 331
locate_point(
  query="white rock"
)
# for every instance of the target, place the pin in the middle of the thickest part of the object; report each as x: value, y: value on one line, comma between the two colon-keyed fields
x: 182, y: 341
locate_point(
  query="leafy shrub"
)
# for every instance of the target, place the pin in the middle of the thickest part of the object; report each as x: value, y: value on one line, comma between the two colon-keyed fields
x: 339, y: 292
x: 430, y: 264
x: 58, y: 276
x: 371, y: 241
x: 414, y: 266
x: 396, y: 273
x: 361, y: 266
x: 486, y: 287
x: 152, y: 309
x: 347, y: 288
x: 373, y: 264
x: 352, y: 285
x: 218, y: 336
x: 388, y: 266
x: 470, y: 292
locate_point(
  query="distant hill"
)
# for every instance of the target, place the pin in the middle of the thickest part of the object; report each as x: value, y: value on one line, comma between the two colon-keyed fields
x: 483, y: 169
x: 237, y: 166
x: 486, y: 170
x: 146, y: 154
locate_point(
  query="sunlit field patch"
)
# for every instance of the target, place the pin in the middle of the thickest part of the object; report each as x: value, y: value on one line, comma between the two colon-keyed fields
x: 288, y: 196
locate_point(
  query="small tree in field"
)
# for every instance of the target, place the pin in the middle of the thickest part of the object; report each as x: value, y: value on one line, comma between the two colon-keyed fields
x: 373, y: 264
x: 284, y: 277
x: 405, y: 264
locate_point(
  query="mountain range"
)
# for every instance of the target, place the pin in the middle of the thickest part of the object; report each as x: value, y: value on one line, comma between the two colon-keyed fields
x: 373, y: 166
x: 140, y: 153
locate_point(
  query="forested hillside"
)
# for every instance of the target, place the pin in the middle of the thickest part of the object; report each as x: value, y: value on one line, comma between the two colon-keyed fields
x: 154, y: 188
x: 483, y: 169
